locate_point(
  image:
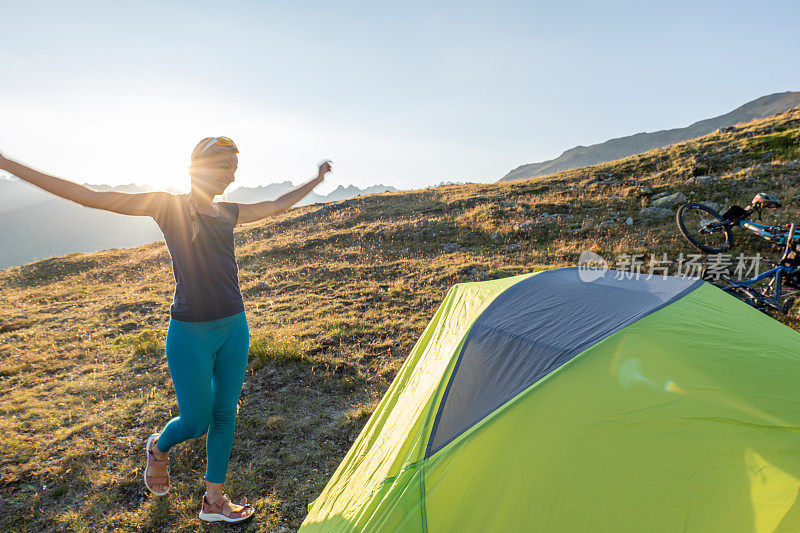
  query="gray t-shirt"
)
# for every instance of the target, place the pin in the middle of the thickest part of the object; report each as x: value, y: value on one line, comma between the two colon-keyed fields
x: 205, y: 269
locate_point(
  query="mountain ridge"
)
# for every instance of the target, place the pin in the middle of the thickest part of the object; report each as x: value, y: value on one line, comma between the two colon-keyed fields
x: 620, y: 147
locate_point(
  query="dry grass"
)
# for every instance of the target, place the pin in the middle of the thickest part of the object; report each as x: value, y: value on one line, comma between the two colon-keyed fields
x: 336, y: 296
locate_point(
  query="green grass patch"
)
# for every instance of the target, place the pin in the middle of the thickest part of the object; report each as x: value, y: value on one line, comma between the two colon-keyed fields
x: 150, y: 342
x: 271, y: 349
x: 785, y: 145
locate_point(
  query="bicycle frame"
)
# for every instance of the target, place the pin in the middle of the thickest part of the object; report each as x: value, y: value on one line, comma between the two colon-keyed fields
x: 781, y: 269
x: 776, y: 273
x: 764, y: 231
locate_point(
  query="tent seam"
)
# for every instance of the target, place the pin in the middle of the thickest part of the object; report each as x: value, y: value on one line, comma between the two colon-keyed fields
x: 422, y: 509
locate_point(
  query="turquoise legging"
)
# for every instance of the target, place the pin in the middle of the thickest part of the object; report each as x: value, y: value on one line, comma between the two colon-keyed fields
x: 207, y: 361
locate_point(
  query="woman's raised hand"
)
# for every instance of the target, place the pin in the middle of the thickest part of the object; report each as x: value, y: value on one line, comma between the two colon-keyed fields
x: 324, y: 168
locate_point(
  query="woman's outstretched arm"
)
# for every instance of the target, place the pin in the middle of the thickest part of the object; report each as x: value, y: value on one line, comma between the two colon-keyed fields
x: 140, y: 204
x: 259, y: 210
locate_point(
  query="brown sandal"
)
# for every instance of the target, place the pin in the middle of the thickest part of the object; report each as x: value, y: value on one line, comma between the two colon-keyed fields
x: 159, y: 468
x: 221, y: 510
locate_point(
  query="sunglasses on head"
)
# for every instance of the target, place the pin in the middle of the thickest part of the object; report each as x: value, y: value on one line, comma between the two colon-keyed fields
x: 218, y: 141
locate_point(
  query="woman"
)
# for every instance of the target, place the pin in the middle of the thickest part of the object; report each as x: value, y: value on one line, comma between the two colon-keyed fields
x: 208, y: 336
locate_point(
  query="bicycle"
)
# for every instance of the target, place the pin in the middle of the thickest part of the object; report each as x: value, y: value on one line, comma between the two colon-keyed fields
x: 785, y: 273
x: 695, y: 224
x: 718, y: 228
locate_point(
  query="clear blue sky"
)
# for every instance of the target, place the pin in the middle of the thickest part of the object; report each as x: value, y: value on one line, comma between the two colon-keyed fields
x: 403, y: 93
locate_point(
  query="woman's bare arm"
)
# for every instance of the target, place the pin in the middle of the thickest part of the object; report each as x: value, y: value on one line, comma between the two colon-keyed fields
x: 141, y: 204
x: 259, y: 210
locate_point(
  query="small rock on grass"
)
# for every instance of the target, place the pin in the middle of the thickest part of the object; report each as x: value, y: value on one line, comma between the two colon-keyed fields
x: 656, y: 212
x: 670, y: 201
x: 702, y: 180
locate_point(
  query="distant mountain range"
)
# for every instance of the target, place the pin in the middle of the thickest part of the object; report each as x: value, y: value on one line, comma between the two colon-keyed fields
x: 35, y: 224
x: 582, y: 156
x: 274, y: 190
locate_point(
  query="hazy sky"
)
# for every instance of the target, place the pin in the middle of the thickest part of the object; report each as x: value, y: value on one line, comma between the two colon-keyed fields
x: 401, y: 93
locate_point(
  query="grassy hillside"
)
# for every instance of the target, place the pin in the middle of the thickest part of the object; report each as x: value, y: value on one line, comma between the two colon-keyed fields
x: 336, y: 296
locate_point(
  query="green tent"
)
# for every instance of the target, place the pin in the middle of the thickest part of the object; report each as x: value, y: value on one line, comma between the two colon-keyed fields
x: 577, y: 400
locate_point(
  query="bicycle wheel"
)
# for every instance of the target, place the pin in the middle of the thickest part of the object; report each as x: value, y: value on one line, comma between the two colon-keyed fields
x: 704, y: 228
